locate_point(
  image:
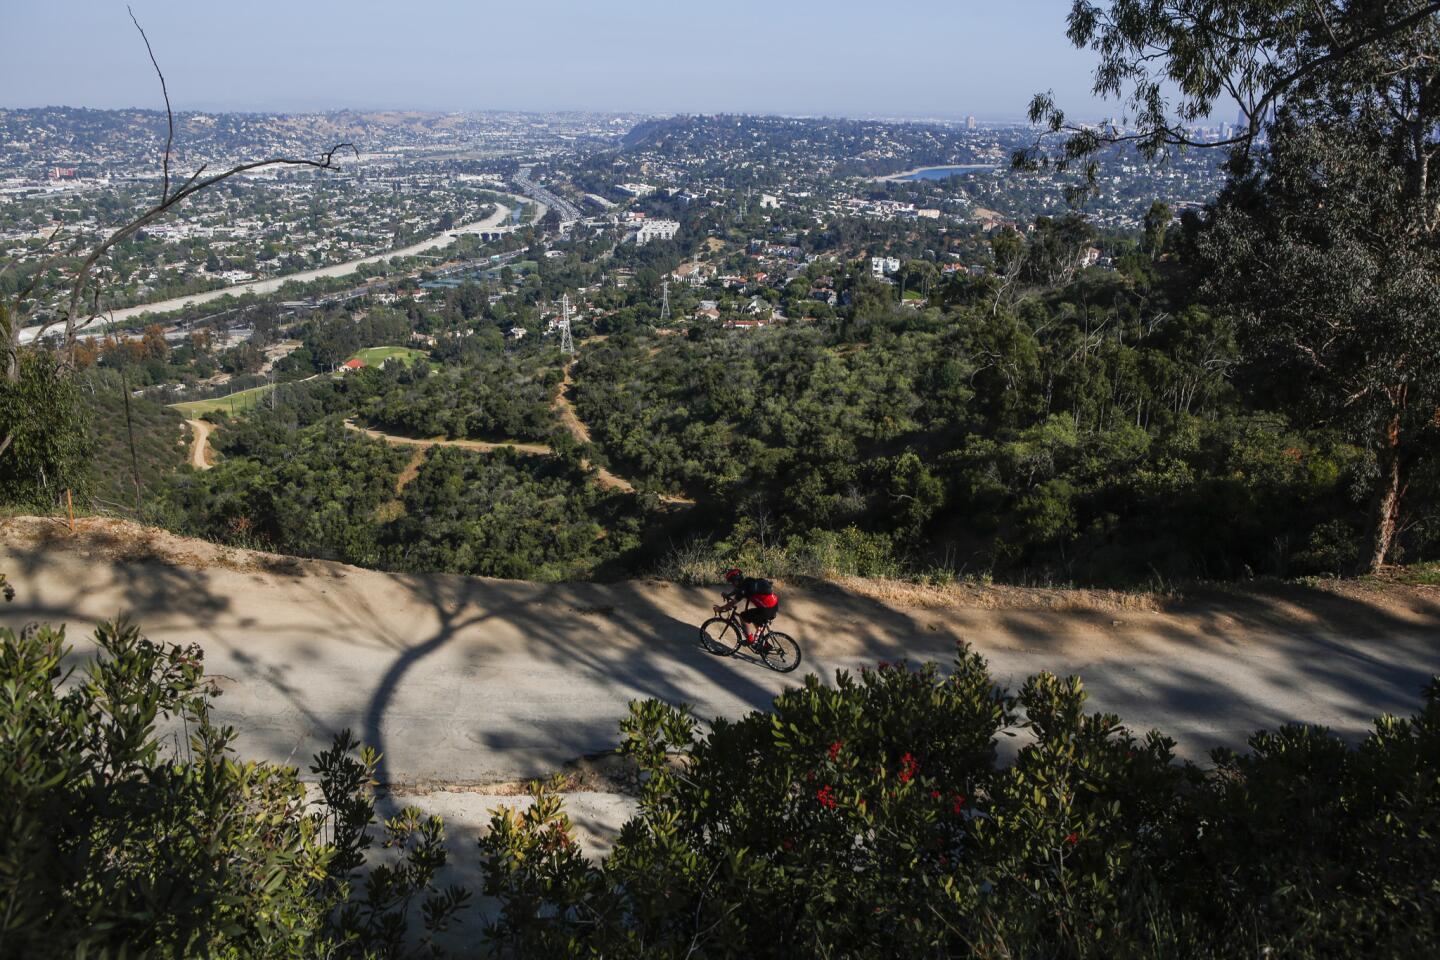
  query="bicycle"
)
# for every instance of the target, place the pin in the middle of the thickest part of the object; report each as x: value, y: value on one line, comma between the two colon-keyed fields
x: 724, y: 636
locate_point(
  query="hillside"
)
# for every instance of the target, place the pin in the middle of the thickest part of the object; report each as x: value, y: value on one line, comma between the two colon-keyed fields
x: 471, y: 681
x: 470, y: 685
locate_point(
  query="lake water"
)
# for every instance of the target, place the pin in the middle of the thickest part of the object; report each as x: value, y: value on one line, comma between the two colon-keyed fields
x: 940, y: 173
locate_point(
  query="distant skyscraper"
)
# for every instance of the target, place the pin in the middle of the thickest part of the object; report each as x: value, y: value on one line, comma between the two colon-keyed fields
x: 969, y: 123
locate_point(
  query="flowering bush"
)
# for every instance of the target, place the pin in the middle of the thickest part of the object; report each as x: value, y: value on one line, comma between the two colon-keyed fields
x: 874, y: 817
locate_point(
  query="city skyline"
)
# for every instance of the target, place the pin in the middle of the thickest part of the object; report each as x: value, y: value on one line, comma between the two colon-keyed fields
x: 923, y: 60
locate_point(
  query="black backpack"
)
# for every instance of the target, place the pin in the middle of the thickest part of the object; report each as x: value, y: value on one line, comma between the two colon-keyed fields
x: 762, y: 587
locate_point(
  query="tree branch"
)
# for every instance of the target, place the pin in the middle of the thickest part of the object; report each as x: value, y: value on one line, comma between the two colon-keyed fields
x: 169, y: 115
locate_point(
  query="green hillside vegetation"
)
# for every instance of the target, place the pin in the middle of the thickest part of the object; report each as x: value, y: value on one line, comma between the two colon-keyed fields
x: 490, y: 395
x: 296, y: 481
x: 1104, y: 431
x: 1009, y: 442
x: 312, y: 492
x: 161, y: 442
x: 505, y: 514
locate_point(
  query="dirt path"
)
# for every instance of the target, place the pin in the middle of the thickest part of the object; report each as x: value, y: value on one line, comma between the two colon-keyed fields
x: 572, y: 423
x: 581, y: 433
x: 486, y: 446
x: 412, y: 469
x: 200, y: 446
x: 463, y: 683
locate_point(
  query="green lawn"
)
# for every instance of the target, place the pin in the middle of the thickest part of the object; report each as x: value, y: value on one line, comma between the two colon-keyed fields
x: 231, y: 403
x: 376, y: 356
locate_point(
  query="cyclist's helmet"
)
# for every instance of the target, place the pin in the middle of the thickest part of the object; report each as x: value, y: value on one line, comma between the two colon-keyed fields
x: 733, y: 574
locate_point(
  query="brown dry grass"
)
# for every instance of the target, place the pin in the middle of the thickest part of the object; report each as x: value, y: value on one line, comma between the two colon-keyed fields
x: 125, y: 541
x: 904, y: 593
x: 412, y: 469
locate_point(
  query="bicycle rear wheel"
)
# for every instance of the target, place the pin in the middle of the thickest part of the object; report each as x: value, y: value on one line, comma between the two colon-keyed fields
x: 781, y: 652
x: 720, y: 636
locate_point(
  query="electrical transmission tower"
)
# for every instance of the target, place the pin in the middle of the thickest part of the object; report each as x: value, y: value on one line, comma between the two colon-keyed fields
x: 665, y: 300
x: 567, y: 343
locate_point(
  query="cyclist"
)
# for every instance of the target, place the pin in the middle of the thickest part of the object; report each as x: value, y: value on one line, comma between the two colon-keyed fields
x: 761, y: 603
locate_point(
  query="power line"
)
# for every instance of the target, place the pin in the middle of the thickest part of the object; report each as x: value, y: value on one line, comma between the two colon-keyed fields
x: 567, y: 343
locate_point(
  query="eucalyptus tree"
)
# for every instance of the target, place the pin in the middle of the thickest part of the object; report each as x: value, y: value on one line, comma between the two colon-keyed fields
x: 1325, y: 245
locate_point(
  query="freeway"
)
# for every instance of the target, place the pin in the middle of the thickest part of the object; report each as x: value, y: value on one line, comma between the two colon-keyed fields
x: 544, y: 197
x: 494, y: 222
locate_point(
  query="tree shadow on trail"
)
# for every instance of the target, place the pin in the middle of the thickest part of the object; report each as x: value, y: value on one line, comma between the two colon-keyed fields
x: 475, y: 681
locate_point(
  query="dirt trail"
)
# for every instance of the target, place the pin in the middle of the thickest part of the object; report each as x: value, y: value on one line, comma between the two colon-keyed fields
x: 200, y: 447
x: 573, y: 424
x: 412, y: 469
x: 537, y: 449
x: 471, y: 680
x: 581, y: 433
x: 465, y: 683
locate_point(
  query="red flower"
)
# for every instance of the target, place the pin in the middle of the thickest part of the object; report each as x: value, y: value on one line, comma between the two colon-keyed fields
x: 934, y: 794
x: 824, y: 795
x: 908, y: 768
x: 835, y: 749
x: 1072, y: 838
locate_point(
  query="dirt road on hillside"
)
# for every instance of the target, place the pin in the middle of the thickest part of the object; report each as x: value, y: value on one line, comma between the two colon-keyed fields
x: 200, y: 445
x: 486, y: 446
x: 581, y: 433
x: 572, y: 423
x: 468, y: 680
x: 463, y: 683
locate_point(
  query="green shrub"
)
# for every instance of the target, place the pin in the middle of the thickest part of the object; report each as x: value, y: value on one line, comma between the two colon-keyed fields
x: 874, y: 818
x: 115, y: 843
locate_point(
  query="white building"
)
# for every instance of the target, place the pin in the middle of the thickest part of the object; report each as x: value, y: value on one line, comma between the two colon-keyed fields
x: 657, y: 230
x: 884, y: 266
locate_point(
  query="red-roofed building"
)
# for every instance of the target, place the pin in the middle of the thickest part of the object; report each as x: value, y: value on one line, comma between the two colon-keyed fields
x: 354, y: 363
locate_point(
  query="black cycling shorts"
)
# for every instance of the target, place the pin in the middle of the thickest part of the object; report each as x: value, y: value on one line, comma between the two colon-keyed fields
x: 759, y: 615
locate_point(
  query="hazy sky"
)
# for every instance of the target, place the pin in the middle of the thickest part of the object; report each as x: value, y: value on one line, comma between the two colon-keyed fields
x: 841, y: 57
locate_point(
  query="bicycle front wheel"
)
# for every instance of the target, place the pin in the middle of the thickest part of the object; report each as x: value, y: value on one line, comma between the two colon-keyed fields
x: 720, y: 636
x: 782, y: 653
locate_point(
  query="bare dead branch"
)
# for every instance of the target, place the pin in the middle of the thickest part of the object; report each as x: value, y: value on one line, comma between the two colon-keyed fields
x: 192, y: 186
x: 169, y: 115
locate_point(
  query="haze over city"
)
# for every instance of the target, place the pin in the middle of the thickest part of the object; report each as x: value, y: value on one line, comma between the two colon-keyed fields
x: 846, y: 58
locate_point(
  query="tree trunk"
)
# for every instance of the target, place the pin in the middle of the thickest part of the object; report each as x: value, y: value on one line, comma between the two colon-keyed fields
x: 1386, y: 511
